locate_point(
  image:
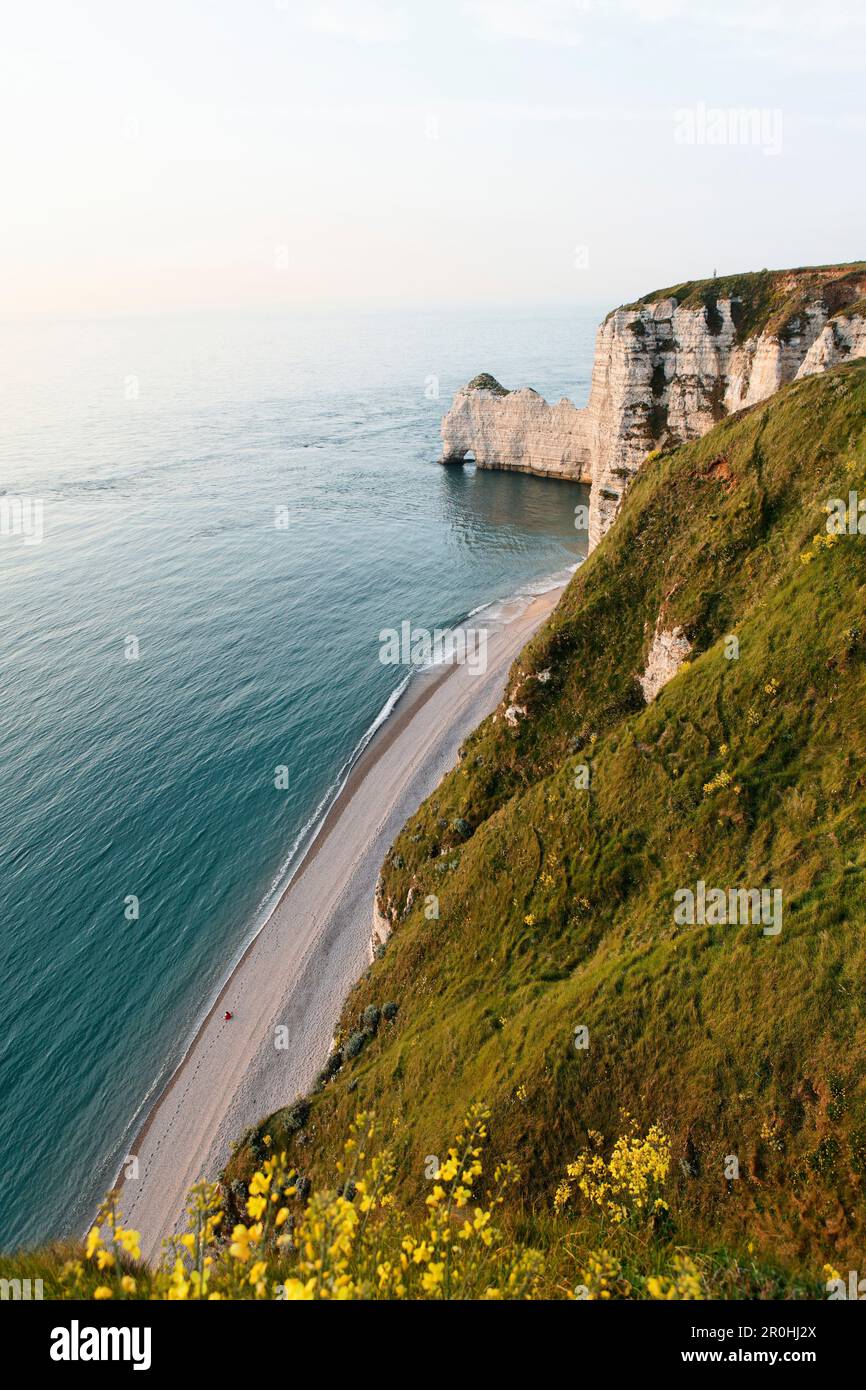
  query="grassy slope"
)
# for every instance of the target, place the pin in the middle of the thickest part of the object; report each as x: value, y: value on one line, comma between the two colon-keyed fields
x: 770, y: 299
x: 557, y: 910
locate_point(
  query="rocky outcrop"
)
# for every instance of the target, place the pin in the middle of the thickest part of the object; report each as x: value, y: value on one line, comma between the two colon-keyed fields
x: 380, y: 928
x: 515, y: 430
x: 668, y: 651
x: 666, y: 369
x: 514, y: 713
x: 843, y: 337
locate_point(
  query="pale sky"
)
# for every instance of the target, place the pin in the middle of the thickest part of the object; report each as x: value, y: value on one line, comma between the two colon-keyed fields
x: 274, y: 154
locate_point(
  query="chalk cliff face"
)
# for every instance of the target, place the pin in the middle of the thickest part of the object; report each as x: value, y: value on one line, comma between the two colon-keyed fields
x: 666, y: 369
x: 840, y: 339
x: 515, y: 430
x: 668, y: 651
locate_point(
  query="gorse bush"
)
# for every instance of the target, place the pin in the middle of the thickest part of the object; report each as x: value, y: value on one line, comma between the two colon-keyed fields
x: 627, y: 1186
x: 349, y: 1244
x: 600, y: 1239
x: 354, y: 1242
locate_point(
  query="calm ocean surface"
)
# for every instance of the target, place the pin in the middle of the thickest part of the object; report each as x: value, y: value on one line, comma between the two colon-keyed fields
x: 161, y: 448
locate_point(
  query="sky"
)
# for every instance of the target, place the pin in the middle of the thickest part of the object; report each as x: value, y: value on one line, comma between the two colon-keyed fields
x: 276, y: 154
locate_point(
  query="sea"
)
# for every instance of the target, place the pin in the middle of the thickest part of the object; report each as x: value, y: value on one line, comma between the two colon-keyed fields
x: 207, y: 521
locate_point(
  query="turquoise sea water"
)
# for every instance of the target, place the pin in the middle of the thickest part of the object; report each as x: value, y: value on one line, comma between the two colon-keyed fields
x: 160, y: 450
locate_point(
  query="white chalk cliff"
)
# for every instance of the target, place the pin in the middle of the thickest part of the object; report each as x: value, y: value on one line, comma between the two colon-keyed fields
x: 666, y: 370
x: 668, y: 651
x: 515, y: 430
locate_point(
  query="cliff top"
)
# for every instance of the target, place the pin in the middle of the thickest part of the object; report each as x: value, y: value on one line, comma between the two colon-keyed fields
x: 768, y: 299
x: 485, y: 382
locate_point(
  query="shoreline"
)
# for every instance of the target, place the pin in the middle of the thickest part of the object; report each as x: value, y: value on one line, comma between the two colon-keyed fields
x: 313, y: 944
x: 308, y: 856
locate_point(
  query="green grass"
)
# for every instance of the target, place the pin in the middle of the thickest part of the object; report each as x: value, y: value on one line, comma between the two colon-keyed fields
x: 54, y: 1263
x: 559, y: 910
x: 485, y: 382
x: 769, y: 300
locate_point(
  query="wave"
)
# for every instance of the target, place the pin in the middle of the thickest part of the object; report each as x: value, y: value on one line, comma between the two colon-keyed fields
x: 498, y: 608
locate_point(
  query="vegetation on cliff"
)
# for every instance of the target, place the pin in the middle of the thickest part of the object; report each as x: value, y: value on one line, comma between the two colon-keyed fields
x: 353, y: 1241
x: 538, y: 964
x: 767, y: 301
x: 485, y: 382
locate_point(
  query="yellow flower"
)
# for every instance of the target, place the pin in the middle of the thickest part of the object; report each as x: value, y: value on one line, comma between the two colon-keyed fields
x: 103, y: 1292
x: 330, y: 1250
x: 626, y: 1184
x: 242, y: 1238
x: 685, y: 1283
x: 179, y: 1287
x: 433, y: 1276
x: 130, y: 1241
x: 721, y: 779
x: 561, y: 1196
x: 295, y: 1291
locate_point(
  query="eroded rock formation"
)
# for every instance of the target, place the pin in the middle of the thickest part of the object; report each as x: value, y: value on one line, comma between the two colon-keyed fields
x: 666, y: 369
x: 515, y: 430
x: 669, y: 649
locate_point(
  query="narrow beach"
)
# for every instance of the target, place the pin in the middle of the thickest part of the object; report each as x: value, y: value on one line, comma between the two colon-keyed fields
x: 315, y: 945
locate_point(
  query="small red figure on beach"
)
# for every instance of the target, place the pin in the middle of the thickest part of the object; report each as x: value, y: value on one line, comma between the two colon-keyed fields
x: 227, y: 1015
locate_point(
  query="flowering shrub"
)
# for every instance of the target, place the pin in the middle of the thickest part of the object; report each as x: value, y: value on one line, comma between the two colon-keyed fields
x: 287, y: 1242
x: 821, y: 541
x: 721, y: 779
x: 683, y: 1283
x: 348, y: 1244
x: 602, y: 1278
x: 626, y: 1187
